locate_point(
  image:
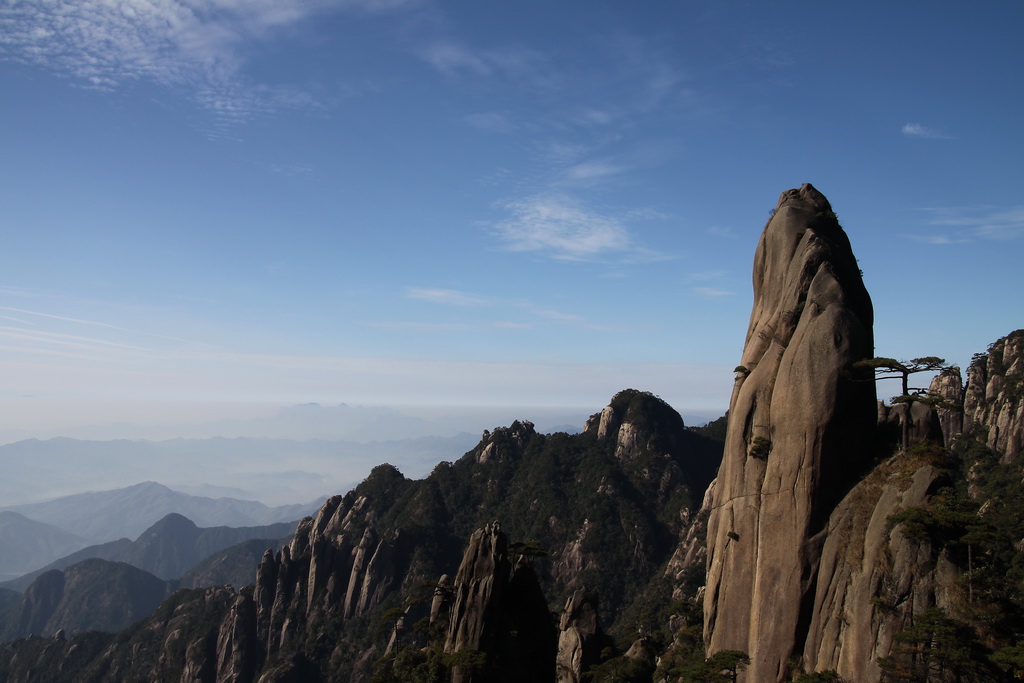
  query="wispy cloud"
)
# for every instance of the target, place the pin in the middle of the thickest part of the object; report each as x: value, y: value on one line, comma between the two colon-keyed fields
x: 562, y: 228
x: 199, y: 45
x: 515, y: 62
x: 916, y: 130
x: 492, y: 122
x: 590, y: 170
x: 451, y: 58
x: 535, y: 314
x: 289, y: 169
x: 89, y: 323
x: 722, y: 231
x: 445, y: 296
x: 711, y: 292
x: 956, y: 225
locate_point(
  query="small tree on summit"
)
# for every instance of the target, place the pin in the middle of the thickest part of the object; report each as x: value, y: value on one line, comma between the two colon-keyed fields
x: 890, y: 368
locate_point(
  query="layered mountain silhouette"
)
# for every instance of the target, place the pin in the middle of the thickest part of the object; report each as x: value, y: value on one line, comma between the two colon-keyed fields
x: 807, y: 538
x: 168, y: 549
x: 26, y: 544
x: 125, y: 513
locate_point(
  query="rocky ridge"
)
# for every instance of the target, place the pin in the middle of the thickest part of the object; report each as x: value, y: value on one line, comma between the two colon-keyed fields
x: 599, y: 512
x: 994, y: 395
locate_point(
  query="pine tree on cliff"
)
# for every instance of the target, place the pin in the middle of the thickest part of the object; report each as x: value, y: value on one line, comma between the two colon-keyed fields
x: 890, y: 368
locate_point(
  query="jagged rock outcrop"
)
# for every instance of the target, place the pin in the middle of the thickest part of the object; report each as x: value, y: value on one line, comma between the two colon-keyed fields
x: 948, y: 385
x: 691, y: 554
x: 499, y: 612
x: 874, y: 579
x: 994, y: 397
x: 800, y: 421
x: 504, y: 443
x: 580, y: 638
x: 238, y: 650
x: 477, y: 593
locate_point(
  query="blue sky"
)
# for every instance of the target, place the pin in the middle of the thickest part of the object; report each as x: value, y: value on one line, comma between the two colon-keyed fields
x: 214, y: 208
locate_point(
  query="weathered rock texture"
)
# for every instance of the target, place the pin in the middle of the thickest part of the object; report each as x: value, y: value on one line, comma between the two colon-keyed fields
x: 949, y: 385
x: 478, y: 592
x: 872, y: 578
x: 801, y: 419
x: 994, y: 397
x: 500, y: 612
x: 580, y: 637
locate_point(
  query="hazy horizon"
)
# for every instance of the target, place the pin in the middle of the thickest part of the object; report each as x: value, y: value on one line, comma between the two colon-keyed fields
x: 213, y: 210
x: 360, y: 423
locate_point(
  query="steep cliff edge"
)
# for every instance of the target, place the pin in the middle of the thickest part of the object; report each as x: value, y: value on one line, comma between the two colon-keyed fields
x: 800, y: 417
x: 994, y: 396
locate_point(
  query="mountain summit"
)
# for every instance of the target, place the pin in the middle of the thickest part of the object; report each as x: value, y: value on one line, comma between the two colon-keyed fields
x: 798, y: 419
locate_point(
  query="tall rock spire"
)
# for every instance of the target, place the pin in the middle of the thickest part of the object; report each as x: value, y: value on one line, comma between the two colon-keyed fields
x: 796, y: 442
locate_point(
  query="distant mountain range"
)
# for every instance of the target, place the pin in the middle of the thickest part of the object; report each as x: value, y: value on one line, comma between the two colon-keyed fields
x: 168, y: 549
x: 35, y: 535
x: 275, y: 471
x: 125, y: 513
x: 110, y: 585
x: 26, y: 544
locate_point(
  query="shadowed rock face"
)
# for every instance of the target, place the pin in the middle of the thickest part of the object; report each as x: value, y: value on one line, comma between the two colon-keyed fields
x: 580, y: 637
x: 800, y: 423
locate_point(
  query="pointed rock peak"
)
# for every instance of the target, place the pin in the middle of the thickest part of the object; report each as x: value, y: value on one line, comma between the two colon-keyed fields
x: 504, y: 442
x: 799, y: 417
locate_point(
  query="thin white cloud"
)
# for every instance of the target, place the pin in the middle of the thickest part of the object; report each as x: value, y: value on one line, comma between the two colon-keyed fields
x: 938, y: 239
x: 492, y: 122
x: 555, y: 315
x: 514, y: 62
x: 445, y: 296
x: 590, y: 170
x: 422, y: 327
x: 92, y: 323
x: 711, y: 292
x: 559, y: 227
x: 450, y: 58
x: 290, y: 169
x: 200, y: 45
x: 957, y: 225
x: 916, y: 130
x: 722, y: 231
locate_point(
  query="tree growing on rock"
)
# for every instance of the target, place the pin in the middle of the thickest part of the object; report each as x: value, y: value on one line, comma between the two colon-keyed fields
x: 890, y: 368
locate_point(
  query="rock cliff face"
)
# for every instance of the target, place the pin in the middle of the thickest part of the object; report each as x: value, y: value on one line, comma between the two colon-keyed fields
x: 994, y: 397
x: 948, y: 385
x: 795, y: 443
x: 580, y: 638
x: 499, y: 611
x: 478, y: 594
x: 873, y: 578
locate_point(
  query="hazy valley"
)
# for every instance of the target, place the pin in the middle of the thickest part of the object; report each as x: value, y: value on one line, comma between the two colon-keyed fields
x: 814, y: 535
